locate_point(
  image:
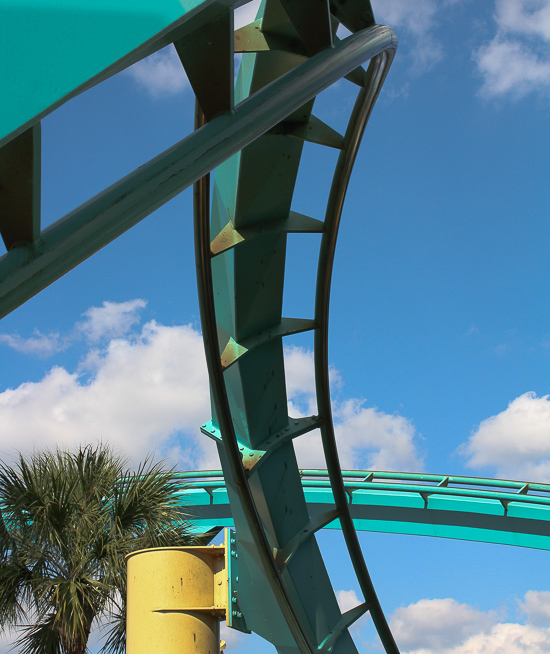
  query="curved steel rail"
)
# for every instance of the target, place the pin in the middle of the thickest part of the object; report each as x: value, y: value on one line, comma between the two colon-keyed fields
x: 376, y: 74
x: 272, y: 548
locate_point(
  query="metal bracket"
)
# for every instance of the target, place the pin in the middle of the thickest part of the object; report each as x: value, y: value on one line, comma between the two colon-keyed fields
x: 295, y: 223
x: 286, y: 327
x: 234, y: 617
x: 284, y: 554
x: 347, y: 619
x: 250, y: 458
x: 314, y: 131
x: 251, y: 38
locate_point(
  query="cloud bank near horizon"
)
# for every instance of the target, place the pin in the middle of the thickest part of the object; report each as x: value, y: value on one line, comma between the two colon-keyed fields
x: 445, y: 626
x: 143, y: 387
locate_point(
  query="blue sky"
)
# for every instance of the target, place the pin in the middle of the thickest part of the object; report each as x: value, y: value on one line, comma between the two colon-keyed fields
x: 440, y: 338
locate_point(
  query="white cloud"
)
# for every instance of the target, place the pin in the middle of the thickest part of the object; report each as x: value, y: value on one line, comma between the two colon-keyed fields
x: 528, y: 17
x: 511, y: 67
x: 347, y: 599
x: 374, y: 440
x: 536, y: 607
x: 368, y: 439
x: 146, y: 388
x: 506, y: 638
x: 42, y: 345
x: 398, y: 14
x: 143, y: 392
x: 516, y: 441
x: 437, y: 624
x: 517, y: 60
x: 415, y: 27
x: 444, y: 626
x: 111, y: 320
x: 160, y: 74
x: 300, y: 378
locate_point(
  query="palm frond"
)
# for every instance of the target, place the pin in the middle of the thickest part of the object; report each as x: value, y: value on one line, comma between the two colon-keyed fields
x: 115, y: 640
x: 40, y: 638
x: 14, y: 592
x: 67, y: 520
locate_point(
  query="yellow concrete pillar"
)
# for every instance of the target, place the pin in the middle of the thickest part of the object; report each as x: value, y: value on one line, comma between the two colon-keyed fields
x: 176, y: 597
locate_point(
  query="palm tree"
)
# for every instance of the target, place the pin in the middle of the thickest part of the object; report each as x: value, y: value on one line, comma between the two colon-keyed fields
x: 67, y: 520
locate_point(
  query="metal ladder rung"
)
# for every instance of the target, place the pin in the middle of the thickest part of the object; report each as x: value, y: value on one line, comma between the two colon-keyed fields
x: 294, y: 223
x: 284, y: 554
x: 288, y: 326
x: 345, y: 622
x: 253, y: 458
x: 250, y: 38
x: 313, y: 131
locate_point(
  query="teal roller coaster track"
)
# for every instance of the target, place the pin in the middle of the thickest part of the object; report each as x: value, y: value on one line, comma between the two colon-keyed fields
x: 466, y: 508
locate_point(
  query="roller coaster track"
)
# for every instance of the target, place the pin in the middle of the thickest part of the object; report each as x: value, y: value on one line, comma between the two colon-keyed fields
x: 253, y: 135
x: 466, y: 508
x: 240, y: 253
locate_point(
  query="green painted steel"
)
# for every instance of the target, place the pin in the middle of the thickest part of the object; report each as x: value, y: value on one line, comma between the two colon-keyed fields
x: 253, y: 135
x: 286, y: 596
x: 467, y: 508
x: 51, y: 51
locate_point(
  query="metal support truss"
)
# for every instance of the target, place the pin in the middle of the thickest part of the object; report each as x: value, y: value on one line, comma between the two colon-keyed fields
x: 240, y: 261
x: 30, y: 266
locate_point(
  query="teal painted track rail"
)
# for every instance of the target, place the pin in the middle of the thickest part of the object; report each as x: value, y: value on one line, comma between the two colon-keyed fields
x: 465, y: 508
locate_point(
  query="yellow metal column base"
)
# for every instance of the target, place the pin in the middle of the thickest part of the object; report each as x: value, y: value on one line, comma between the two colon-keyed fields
x: 176, y: 598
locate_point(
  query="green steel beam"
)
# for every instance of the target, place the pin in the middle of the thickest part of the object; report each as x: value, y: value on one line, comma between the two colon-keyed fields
x: 208, y: 58
x: 52, y: 51
x: 289, y: 601
x: 20, y: 189
x: 27, y: 269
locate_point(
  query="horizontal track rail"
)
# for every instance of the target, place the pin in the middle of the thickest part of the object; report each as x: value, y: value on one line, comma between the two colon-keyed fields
x: 467, y: 508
